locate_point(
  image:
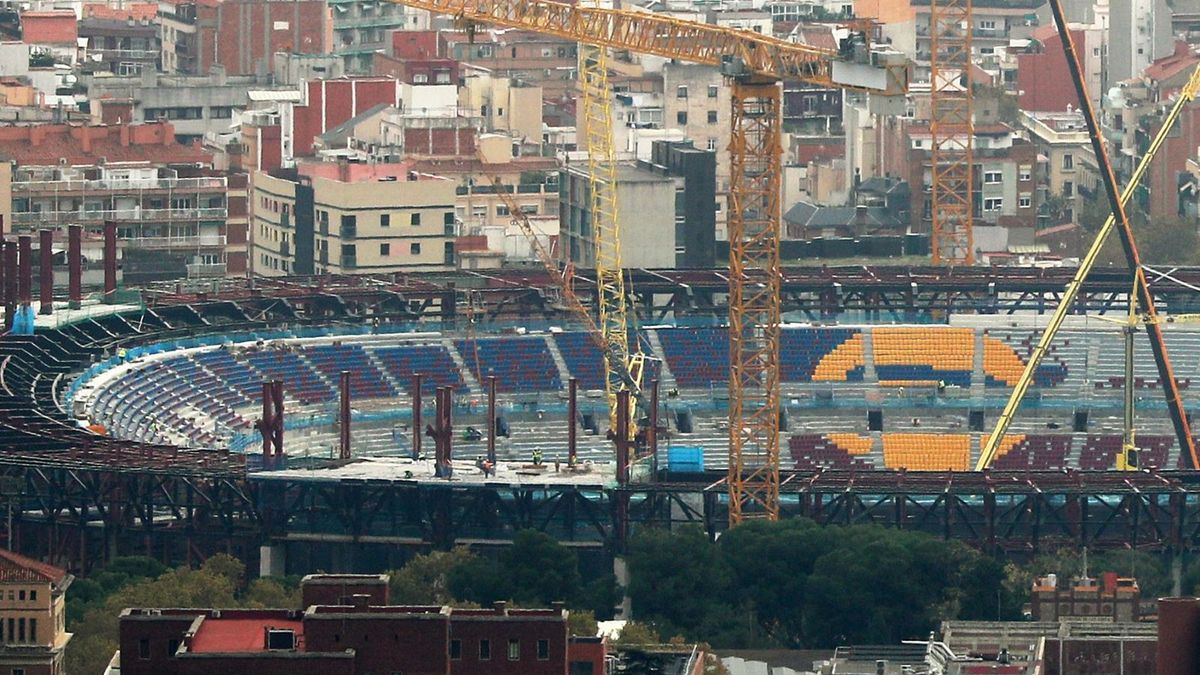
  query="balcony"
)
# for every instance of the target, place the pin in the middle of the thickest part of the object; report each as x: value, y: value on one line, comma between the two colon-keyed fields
x: 118, y: 215
x: 184, y: 242
x: 205, y: 270
x: 125, y: 54
x: 203, y: 183
x: 524, y: 189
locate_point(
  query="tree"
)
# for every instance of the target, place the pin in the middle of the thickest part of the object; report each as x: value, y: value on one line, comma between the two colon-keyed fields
x: 582, y: 623
x: 225, y: 565
x: 635, y: 633
x: 424, y: 579
x: 534, y: 571
x: 271, y: 593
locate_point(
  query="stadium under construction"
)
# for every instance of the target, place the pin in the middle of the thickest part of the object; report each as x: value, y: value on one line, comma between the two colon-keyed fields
x: 154, y: 427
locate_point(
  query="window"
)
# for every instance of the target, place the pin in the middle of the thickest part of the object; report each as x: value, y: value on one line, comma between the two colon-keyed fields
x: 681, y: 91
x: 456, y: 649
x: 416, y: 219
x: 1025, y: 201
x: 502, y: 210
x: 448, y: 218
x: 220, y: 112
x: 514, y: 650
x: 414, y: 249
x: 987, y: 25
x: 1068, y: 188
x: 33, y: 630
x: 993, y: 204
x: 712, y: 116
x: 1025, y: 172
x: 21, y: 595
x: 485, y: 646
x: 712, y: 91
x: 992, y: 177
x: 172, y: 647
x: 385, y: 220
x: 21, y: 631
x: 144, y: 649
x: 18, y: 671
x: 529, y: 209
x: 712, y: 145
x: 681, y: 117
x: 1068, y: 162
x: 385, y: 249
x: 543, y: 650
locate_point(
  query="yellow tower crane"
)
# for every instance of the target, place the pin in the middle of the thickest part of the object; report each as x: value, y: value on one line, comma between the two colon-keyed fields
x: 755, y: 64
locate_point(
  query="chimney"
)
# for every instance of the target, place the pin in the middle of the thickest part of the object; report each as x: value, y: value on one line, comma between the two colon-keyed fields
x: 86, y: 139
x: 343, y: 169
x: 360, y: 600
x: 124, y: 135
x: 860, y: 216
x: 1110, y: 583
x: 500, y: 607
x: 168, y: 133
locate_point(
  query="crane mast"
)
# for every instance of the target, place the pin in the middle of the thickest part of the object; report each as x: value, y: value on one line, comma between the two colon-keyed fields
x: 952, y: 132
x: 756, y: 64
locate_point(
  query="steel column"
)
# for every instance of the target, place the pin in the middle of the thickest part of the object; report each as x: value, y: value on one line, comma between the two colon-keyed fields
x: 75, y: 265
x: 46, y: 272
x: 952, y: 131
x: 25, y: 269
x: 110, y: 259
x: 572, y: 419
x: 344, y: 417
x: 491, y: 446
x: 416, y: 416
x: 10, y: 283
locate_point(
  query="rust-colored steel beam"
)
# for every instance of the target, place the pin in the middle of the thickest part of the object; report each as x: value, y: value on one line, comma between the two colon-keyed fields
x: 25, y: 269
x: 46, y: 272
x: 416, y: 416
x: 572, y: 419
x: 344, y: 417
x: 75, y: 265
x: 10, y: 283
x: 1145, y: 299
x: 110, y: 258
x: 491, y: 442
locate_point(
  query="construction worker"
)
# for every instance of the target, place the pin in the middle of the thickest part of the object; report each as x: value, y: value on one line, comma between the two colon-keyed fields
x: 537, y: 457
x: 121, y: 354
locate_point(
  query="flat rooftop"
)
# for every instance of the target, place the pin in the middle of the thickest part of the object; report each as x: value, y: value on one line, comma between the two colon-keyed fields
x: 401, y: 469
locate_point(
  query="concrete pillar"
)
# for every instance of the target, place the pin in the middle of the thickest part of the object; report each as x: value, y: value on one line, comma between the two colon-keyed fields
x: 46, y: 272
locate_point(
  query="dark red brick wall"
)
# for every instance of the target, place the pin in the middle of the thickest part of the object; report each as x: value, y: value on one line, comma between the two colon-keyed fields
x: 327, y: 593
x: 439, y: 142
x: 339, y: 100
x: 159, y: 631
x: 244, y: 33
x: 1170, y: 161
x: 268, y: 664
x: 383, y: 644
x: 499, y: 630
x: 1042, y: 77
x: 415, y: 44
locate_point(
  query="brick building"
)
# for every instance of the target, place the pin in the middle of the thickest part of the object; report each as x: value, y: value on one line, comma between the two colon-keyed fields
x: 354, y: 638
x: 32, y: 617
x: 1042, y: 69
x: 240, y: 35
x: 1117, y: 598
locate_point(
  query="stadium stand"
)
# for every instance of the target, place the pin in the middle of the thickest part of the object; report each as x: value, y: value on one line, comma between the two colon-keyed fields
x: 432, y: 361
x: 804, y: 350
x: 922, y: 356
x: 584, y: 359
x: 1031, y: 452
x: 926, y: 452
x: 365, y: 379
x: 830, y: 451
x: 520, y: 364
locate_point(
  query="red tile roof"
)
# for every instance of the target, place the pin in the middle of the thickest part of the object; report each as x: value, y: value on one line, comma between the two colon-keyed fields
x: 15, y: 567
x: 355, y: 172
x: 1169, y: 66
x: 47, y: 144
x: 240, y: 634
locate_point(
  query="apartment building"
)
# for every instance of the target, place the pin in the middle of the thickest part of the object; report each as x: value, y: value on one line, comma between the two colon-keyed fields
x: 1042, y: 69
x: 696, y: 100
x: 119, y: 47
x: 1005, y: 171
x: 171, y: 208
x: 1062, y: 139
x: 33, y: 634
x: 996, y: 22
x: 344, y: 218
x: 529, y: 58
x: 363, y: 27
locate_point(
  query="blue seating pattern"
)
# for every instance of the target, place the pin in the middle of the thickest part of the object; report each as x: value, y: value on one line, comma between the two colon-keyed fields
x: 300, y: 381
x: 520, y: 364
x: 583, y: 358
x: 365, y: 379
x: 697, y: 357
x: 432, y: 361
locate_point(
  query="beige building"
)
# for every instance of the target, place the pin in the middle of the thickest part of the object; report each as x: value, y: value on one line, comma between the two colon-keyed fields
x: 1062, y: 139
x: 645, y: 211
x: 505, y: 105
x: 341, y: 218
x: 697, y: 101
x: 33, y: 633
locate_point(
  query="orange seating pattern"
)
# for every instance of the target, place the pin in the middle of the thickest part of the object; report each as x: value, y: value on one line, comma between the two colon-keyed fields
x: 845, y: 359
x: 1003, y: 365
x: 924, y: 355
x: 927, y: 452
